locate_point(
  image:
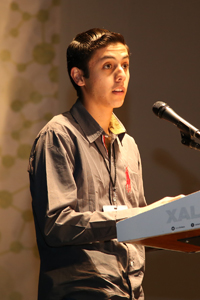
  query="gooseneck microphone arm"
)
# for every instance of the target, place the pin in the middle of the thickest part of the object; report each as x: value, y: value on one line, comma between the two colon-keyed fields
x: 187, y: 141
x: 188, y: 131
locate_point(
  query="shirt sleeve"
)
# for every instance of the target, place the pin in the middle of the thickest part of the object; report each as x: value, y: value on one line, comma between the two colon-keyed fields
x: 54, y: 197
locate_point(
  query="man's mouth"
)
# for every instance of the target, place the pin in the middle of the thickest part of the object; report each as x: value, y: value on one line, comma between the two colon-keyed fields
x: 118, y: 90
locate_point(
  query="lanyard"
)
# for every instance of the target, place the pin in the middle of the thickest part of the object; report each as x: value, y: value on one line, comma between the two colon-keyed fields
x: 113, y: 181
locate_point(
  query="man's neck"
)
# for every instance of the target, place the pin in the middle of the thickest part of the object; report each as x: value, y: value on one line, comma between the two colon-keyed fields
x: 101, y: 116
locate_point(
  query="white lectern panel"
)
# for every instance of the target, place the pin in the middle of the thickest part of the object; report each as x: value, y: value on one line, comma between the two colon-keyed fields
x: 174, y: 217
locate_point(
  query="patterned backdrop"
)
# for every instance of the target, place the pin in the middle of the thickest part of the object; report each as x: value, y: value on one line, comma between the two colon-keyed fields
x: 29, y: 47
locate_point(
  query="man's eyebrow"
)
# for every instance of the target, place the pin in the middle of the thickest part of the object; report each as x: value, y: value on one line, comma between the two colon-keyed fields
x: 112, y: 57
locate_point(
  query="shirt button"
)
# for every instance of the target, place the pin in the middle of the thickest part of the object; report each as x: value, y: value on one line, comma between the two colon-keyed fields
x: 131, y: 263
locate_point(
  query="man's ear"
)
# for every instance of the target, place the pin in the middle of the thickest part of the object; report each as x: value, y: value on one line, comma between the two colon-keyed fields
x: 77, y: 76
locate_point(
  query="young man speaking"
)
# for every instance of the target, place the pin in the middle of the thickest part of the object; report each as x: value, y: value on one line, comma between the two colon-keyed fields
x: 85, y: 176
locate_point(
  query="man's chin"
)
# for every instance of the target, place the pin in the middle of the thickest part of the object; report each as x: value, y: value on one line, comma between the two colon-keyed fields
x: 118, y: 104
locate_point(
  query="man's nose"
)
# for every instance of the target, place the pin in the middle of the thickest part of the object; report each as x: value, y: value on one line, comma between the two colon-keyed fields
x: 120, y: 74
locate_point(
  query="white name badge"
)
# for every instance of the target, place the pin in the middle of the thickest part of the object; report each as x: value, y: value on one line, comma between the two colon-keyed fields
x: 114, y: 207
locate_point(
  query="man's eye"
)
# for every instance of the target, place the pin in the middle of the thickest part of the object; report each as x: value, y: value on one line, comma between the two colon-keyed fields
x: 107, y: 66
x: 125, y: 66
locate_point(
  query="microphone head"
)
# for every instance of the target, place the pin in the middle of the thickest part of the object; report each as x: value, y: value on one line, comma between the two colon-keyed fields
x: 158, y: 108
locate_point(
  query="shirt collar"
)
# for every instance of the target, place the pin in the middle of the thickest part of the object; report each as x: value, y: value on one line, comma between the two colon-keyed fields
x: 90, y: 127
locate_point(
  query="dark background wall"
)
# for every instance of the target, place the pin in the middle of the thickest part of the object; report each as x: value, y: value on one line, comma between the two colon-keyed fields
x: 163, y: 36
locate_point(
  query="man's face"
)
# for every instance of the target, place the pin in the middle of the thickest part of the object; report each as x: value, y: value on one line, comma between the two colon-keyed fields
x: 108, y: 79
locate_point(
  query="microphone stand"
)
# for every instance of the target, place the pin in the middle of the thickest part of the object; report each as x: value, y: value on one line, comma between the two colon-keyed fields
x: 187, y: 141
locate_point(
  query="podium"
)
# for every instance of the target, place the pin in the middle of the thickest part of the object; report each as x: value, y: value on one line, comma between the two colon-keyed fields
x: 173, y: 226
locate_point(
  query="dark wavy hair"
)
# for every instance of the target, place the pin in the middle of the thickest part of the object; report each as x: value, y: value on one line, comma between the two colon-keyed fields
x: 84, y: 45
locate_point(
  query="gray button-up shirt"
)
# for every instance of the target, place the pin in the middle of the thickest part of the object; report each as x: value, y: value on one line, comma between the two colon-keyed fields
x: 80, y: 256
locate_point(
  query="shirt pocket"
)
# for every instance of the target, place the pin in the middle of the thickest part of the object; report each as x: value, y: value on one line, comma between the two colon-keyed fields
x: 128, y: 174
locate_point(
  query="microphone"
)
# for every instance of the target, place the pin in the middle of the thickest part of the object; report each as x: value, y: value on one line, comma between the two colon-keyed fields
x: 163, y: 111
